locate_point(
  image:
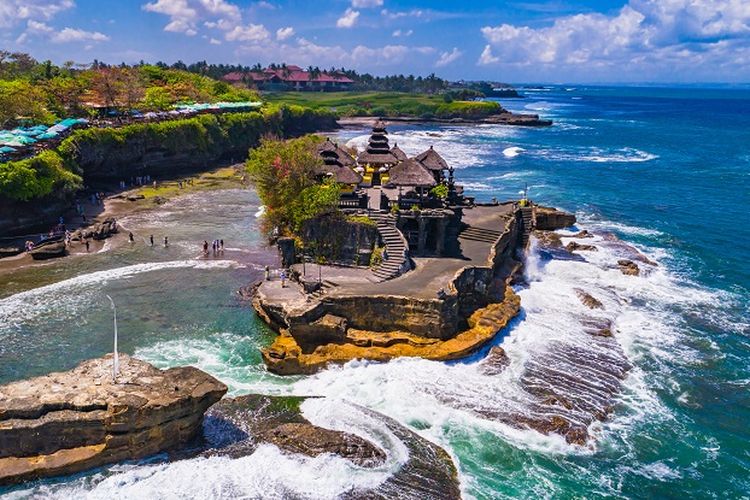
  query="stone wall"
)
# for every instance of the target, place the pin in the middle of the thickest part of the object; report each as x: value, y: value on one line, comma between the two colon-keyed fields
x: 340, y: 240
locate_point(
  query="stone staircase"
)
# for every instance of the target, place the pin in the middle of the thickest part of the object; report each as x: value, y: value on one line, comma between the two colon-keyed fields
x: 395, y: 247
x: 527, y: 224
x: 325, y: 287
x: 473, y: 233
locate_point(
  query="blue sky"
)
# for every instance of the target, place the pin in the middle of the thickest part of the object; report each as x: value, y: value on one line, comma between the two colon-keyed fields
x: 519, y: 41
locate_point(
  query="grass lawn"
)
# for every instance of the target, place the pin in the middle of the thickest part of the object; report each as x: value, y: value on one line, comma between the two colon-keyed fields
x: 386, y: 104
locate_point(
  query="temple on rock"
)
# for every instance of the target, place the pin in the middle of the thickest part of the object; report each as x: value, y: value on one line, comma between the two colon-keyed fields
x: 383, y: 179
x: 408, y: 265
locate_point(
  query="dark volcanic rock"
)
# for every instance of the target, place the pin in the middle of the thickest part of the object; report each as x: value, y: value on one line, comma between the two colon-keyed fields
x: 10, y: 251
x: 588, y: 300
x: 578, y: 247
x: 236, y: 427
x: 310, y: 440
x: 49, y: 250
x: 628, y: 267
x: 495, y: 362
x: 67, y: 422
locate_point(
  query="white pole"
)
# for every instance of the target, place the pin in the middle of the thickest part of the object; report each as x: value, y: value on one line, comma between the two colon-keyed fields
x: 116, y: 357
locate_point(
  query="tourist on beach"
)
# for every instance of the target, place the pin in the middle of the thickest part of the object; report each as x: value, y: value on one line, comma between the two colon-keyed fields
x: 166, y: 242
x: 87, y: 245
x: 151, y: 239
x: 221, y: 245
x: 131, y: 238
x: 213, y: 247
x: 283, y: 278
x: 205, y: 247
x: 268, y: 273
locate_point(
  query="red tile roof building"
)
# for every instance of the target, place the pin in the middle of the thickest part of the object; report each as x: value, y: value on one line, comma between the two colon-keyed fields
x: 290, y: 78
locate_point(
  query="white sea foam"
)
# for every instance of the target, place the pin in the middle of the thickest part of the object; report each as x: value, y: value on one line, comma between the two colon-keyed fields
x: 69, y: 295
x: 597, y: 155
x: 512, y: 151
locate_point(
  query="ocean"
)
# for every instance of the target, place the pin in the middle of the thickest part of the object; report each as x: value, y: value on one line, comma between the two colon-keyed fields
x: 666, y: 171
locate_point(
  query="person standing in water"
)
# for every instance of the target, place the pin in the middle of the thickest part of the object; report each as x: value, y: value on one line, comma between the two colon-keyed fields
x: 283, y: 278
x: 166, y: 242
x: 151, y: 239
x: 130, y: 237
x: 205, y: 247
x: 87, y: 245
x: 221, y: 245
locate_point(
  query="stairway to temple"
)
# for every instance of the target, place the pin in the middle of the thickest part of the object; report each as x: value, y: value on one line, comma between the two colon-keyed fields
x: 527, y: 224
x: 474, y: 233
x: 395, y: 248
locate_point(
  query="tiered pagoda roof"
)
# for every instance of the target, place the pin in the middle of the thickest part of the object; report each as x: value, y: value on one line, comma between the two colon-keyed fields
x: 378, y: 152
x: 337, y: 162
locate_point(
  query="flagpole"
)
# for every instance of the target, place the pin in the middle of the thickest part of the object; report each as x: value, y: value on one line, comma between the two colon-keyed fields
x: 116, y: 357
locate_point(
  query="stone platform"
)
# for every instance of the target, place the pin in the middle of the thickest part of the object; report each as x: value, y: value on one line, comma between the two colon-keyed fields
x: 67, y: 422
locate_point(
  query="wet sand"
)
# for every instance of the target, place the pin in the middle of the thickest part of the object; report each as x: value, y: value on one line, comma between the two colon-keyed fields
x: 118, y: 205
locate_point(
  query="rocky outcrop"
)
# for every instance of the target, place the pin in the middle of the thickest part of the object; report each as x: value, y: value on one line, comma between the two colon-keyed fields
x: 578, y: 247
x: 10, y: 251
x: 588, y: 300
x: 495, y: 362
x: 67, y: 422
x: 98, y: 231
x: 49, y: 250
x: 628, y: 267
x: 551, y: 219
x: 236, y: 427
x: 287, y: 357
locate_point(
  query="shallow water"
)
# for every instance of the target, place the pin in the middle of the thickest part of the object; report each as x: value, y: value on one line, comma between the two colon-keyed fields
x: 665, y: 170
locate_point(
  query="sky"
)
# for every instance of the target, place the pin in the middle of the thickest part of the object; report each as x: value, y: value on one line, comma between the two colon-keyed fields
x: 587, y: 41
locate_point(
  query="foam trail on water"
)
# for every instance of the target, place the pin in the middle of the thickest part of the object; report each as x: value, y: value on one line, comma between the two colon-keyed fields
x: 47, y: 299
x: 512, y: 152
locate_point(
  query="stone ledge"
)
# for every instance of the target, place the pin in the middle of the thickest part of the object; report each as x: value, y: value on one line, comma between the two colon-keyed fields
x: 286, y: 357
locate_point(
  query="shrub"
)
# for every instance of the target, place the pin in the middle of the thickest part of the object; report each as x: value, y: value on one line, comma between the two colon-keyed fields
x: 36, y: 177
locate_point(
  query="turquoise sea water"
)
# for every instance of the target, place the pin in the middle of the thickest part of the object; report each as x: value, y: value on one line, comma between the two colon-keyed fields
x: 666, y: 170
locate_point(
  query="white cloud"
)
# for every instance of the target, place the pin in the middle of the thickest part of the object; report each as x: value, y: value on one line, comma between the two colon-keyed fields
x: 366, y: 4
x: 214, y: 41
x: 249, y: 33
x: 448, y: 57
x: 284, y: 33
x: 185, y: 15
x: 487, y: 56
x: 76, y: 35
x: 399, y: 14
x: 305, y: 52
x: 661, y: 35
x: 66, y: 35
x: 265, y: 5
x: 348, y: 19
x: 14, y: 11
x: 403, y: 33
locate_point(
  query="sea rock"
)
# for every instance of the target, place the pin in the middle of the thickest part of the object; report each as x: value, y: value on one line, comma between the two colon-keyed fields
x: 551, y: 219
x: 67, y: 422
x: 307, y: 439
x: 582, y: 234
x: 628, y: 267
x: 10, y: 251
x: 236, y: 427
x: 104, y: 229
x: 548, y: 239
x: 136, y: 197
x: 578, y: 247
x: 495, y: 362
x: 598, y: 327
x: 588, y: 300
x: 49, y: 250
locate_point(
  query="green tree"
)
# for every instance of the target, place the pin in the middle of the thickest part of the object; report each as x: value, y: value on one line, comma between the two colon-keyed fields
x: 19, y: 98
x: 157, y: 99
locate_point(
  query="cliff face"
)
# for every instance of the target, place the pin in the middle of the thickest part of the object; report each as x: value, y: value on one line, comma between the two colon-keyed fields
x: 68, y: 422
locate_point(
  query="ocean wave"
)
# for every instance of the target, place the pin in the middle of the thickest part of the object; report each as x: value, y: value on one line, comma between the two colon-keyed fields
x: 597, y: 155
x: 66, y: 297
x: 512, y: 151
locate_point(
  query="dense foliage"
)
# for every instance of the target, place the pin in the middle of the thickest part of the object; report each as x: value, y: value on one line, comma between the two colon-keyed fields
x: 387, y: 104
x: 36, y: 177
x: 44, y: 92
x: 86, y: 150
x: 284, y: 175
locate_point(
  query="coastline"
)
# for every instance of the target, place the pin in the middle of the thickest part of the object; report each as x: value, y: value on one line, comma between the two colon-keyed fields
x: 510, y: 119
x: 124, y: 203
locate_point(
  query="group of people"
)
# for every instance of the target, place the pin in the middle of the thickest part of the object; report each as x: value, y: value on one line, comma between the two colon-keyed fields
x: 187, y: 182
x: 131, y: 239
x: 217, y: 246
